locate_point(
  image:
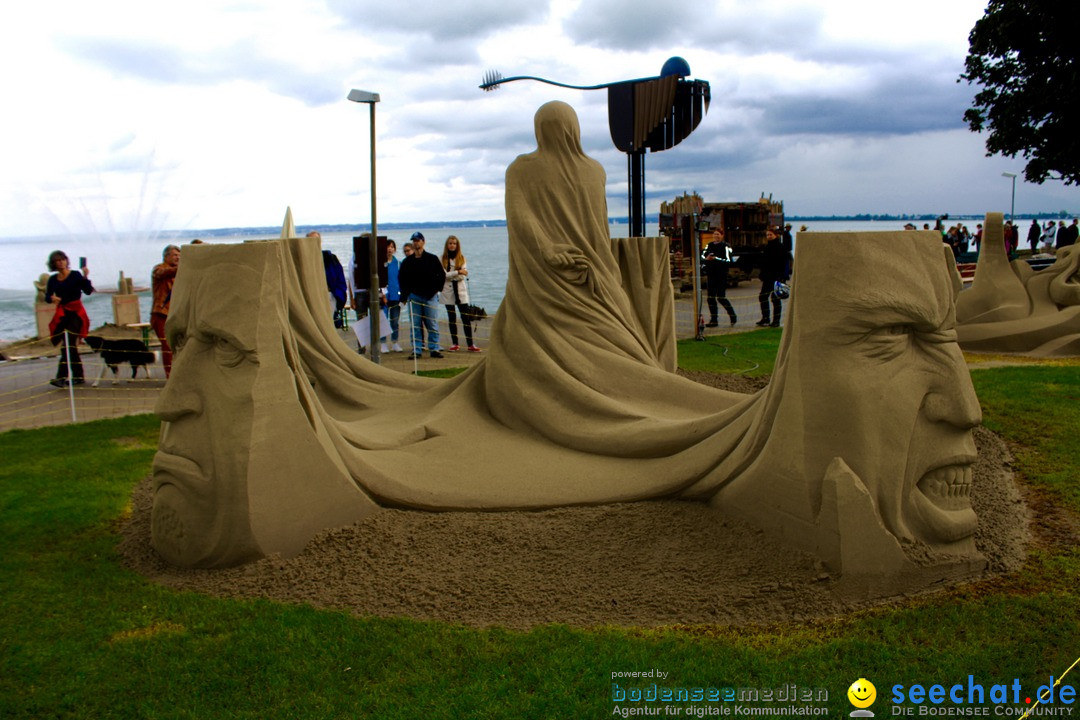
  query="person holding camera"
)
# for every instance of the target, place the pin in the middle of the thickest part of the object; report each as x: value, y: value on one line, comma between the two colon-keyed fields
x: 65, y: 289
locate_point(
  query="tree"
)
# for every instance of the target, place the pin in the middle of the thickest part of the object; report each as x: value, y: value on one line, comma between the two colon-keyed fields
x: 1023, y: 54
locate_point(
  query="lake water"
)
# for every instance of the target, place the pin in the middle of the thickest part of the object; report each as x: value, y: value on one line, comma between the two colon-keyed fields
x: 23, y: 260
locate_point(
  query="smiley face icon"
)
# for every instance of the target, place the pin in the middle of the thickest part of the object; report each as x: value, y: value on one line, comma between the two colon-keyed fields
x: 862, y: 693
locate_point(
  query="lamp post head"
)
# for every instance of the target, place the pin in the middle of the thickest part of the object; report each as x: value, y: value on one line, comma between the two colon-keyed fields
x: 1008, y: 174
x: 363, y: 96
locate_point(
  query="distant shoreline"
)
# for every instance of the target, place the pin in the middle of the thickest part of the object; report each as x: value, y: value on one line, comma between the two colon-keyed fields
x: 654, y: 218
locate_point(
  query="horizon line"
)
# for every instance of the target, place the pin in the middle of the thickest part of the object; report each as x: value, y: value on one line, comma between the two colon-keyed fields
x: 501, y: 222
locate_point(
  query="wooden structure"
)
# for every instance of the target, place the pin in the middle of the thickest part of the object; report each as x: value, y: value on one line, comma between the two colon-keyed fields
x: 744, y: 224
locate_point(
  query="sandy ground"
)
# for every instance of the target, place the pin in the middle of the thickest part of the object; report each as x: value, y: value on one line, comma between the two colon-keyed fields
x: 640, y: 564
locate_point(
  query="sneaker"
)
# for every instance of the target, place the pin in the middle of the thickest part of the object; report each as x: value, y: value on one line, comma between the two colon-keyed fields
x: 414, y: 356
x: 58, y: 382
x: 762, y: 322
x: 383, y: 349
x: 78, y: 381
x: 397, y: 348
x: 774, y: 323
x: 473, y: 348
x: 453, y: 348
x: 436, y: 354
x: 734, y: 320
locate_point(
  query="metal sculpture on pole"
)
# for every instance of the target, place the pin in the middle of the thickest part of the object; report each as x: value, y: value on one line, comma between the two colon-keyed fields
x: 652, y: 113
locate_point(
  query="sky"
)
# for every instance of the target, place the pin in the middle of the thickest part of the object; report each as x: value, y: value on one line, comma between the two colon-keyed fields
x: 138, y: 116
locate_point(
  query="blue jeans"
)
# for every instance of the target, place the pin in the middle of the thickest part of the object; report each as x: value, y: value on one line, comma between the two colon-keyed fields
x: 426, y: 311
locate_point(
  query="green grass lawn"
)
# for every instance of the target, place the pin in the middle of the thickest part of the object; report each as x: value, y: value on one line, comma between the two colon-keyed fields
x: 80, y: 636
x: 749, y: 353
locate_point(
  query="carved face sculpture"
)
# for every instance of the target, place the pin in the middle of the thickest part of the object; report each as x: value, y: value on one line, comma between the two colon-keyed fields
x: 200, y: 470
x: 883, y: 382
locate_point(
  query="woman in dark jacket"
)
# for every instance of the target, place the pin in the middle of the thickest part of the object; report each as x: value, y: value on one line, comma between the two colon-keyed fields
x: 70, y: 324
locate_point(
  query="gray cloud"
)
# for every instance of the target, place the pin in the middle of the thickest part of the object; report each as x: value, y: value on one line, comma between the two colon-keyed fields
x: 652, y: 24
x: 440, y: 19
x: 899, y: 105
x: 155, y: 62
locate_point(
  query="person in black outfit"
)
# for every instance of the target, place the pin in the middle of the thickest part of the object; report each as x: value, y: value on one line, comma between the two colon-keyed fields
x: 716, y: 257
x: 1062, y: 238
x: 1034, y: 233
x: 70, y: 323
x: 775, y: 265
x: 421, y: 279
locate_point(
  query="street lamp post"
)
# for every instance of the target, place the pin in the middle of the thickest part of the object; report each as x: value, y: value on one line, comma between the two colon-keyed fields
x: 1012, y: 208
x: 363, y: 96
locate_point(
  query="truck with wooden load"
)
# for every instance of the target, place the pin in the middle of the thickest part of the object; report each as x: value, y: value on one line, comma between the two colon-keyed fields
x: 689, y: 220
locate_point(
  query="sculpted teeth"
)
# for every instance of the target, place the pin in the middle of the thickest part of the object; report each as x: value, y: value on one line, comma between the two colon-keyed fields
x: 950, y: 481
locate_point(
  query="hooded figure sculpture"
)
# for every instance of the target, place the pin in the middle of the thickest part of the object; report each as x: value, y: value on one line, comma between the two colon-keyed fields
x: 862, y: 439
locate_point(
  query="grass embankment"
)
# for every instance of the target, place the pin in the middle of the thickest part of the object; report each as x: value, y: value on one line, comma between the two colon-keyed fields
x: 80, y: 636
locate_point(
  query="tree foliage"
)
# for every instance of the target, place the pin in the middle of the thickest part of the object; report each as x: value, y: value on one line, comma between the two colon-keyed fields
x: 1023, y: 55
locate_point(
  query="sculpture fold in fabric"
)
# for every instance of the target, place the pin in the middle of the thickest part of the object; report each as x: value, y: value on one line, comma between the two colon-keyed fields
x: 270, y: 420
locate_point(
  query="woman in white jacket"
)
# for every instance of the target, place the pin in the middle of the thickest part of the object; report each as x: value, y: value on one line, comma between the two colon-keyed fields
x: 455, y: 292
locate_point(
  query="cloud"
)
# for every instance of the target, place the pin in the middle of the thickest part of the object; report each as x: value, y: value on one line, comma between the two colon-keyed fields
x: 454, y: 51
x: 131, y: 57
x: 721, y: 26
x: 900, y: 105
x: 241, y: 106
x: 243, y: 60
x: 438, y: 19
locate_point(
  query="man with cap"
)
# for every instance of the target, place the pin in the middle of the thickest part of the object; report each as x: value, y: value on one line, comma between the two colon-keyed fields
x: 421, y: 278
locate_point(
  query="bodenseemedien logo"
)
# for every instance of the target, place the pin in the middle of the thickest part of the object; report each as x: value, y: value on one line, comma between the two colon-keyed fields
x: 862, y: 695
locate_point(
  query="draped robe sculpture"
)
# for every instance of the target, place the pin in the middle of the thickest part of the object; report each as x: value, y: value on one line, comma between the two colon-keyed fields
x: 273, y: 429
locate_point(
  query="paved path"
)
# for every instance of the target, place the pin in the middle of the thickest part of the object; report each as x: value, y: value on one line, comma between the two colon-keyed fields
x: 27, y: 399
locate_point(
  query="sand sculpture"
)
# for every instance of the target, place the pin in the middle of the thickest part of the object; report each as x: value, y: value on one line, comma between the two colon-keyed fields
x: 1012, y: 308
x: 274, y: 429
x: 39, y: 288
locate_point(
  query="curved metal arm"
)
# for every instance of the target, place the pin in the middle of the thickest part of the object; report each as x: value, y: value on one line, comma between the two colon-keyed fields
x: 493, y: 79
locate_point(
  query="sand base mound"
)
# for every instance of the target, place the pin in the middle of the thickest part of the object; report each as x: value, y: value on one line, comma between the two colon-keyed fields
x: 636, y: 564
